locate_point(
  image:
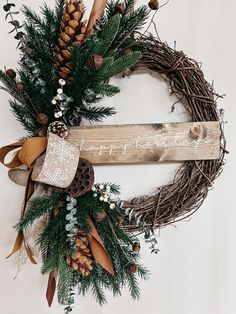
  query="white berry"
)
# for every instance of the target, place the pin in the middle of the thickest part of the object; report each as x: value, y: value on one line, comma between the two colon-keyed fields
x: 105, y: 199
x: 58, y: 97
x: 54, y: 102
x: 94, y: 188
x: 108, y: 188
x: 101, y: 186
x: 112, y: 206
x: 58, y: 114
x: 101, y: 198
x: 60, y: 91
x: 62, y: 82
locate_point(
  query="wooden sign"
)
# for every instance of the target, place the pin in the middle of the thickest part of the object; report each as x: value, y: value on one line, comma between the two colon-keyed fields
x: 146, y: 143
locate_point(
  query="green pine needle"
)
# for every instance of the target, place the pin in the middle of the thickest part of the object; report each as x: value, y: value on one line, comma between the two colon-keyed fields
x: 37, y: 208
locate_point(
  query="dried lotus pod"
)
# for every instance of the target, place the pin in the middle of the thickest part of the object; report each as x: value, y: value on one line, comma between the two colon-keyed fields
x: 83, y: 180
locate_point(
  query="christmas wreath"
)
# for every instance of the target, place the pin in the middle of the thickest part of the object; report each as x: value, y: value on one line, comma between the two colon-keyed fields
x: 84, y: 233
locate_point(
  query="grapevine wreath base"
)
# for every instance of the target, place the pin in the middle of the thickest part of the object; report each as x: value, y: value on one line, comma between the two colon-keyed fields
x: 193, y: 180
x: 84, y: 233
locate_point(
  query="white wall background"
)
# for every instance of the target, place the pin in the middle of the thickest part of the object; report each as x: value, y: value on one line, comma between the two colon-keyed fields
x: 195, y: 270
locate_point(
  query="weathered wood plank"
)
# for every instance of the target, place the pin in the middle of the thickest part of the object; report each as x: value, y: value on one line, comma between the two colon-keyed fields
x: 145, y: 143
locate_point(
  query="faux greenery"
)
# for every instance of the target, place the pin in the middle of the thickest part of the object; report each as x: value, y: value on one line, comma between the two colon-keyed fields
x: 32, y: 88
x: 112, y: 39
x: 54, y: 247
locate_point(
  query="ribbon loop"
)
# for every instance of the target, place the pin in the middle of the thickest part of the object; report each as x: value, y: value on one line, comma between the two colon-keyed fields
x: 31, y: 149
x: 58, y: 166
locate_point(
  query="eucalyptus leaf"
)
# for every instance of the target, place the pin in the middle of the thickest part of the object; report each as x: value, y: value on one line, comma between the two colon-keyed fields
x: 15, y: 23
x: 19, y: 35
x: 8, y: 6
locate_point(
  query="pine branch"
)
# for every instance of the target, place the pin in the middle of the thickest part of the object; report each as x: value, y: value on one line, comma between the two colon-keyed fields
x: 64, y: 282
x: 98, y: 292
x: 101, y: 41
x: 24, y: 116
x: 37, y: 208
x: 96, y: 114
x: 105, y: 90
x: 133, y: 285
x: 33, y: 18
x: 113, y: 67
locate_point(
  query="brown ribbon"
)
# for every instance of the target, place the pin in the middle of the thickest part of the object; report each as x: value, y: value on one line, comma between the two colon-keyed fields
x: 98, y: 249
x: 20, y: 237
x: 51, y: 288
x: 95, y: 15
x: 30, y: 150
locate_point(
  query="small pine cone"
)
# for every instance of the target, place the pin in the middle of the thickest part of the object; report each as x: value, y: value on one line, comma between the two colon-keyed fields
x: 72, y: 34
x: 59, y: 128
x: 80, y: 260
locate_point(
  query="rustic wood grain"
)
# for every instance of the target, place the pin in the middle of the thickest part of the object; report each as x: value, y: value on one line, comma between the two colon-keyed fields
x: 146, y: 143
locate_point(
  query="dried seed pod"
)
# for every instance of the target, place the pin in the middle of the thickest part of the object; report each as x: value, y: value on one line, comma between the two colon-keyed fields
x: 42, y: 118
x: 83, y: 180
x: 20, y: 86
x: 133, y: 268
x: 96, y: 62
x: 101, y: 216
x: 154, y: 4
x: 136, y: 247
x: 11, y: 73
x: 121, y: 7
x: 40, y: 132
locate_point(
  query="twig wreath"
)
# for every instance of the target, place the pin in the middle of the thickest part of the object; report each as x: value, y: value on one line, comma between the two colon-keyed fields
x: 194, y: 179
x: 84, y: 233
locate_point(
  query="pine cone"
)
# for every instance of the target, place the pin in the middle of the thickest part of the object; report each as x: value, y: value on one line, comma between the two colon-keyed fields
x: 80, y: 260
x: 72, y: 33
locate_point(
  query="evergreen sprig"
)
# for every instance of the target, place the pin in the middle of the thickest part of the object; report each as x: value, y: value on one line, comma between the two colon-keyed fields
x: 112, y: 36
x: 54, y: 246
x: 37, y: 208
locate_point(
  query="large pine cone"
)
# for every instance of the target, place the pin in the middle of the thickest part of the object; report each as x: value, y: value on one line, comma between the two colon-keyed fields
x: 72, y: 33
x: 80, y: 260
